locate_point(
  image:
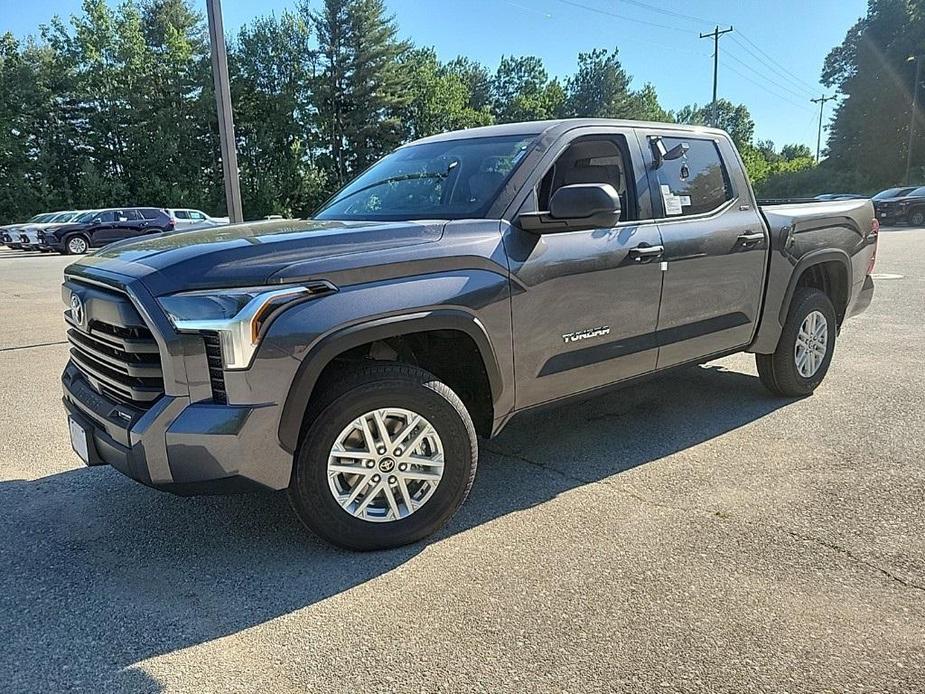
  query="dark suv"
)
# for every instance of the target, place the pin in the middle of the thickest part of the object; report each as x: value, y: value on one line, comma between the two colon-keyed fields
x: 907, y: 205
x: 102, y: 227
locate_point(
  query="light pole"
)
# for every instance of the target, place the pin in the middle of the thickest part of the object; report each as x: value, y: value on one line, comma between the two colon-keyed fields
x: 915, y: 101
x: 223, y: 105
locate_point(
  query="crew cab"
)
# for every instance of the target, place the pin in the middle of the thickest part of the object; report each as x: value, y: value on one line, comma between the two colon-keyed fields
x: 101, y: 227
x: 355, y: 357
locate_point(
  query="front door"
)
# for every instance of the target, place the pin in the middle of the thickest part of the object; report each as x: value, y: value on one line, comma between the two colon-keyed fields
x: 585, y: 303
x: 715, y: 249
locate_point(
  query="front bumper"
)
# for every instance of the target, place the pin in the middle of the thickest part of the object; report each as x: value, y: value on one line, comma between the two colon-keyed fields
x: 178, y: 446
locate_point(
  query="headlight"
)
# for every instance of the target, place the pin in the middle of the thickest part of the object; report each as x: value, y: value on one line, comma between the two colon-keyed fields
x: 236, y: 315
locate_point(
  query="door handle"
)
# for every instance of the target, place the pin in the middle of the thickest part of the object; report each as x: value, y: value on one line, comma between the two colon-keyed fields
x: 643, y: 254
x: 751, y: 237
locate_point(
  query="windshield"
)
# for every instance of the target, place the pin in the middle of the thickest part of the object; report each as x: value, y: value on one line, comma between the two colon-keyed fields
x: 63, y: 217
x: 86, y: 216
x: 453, y: 179
x: 42, y: 217
x: 891, y: 193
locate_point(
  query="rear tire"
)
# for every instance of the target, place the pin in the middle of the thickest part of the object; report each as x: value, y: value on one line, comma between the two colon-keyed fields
x: 328, y: 501
x: 916, y: 218
x: 805, y: 349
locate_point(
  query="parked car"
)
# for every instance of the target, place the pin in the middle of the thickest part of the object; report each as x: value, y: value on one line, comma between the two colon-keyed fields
x: 907, y: 208
x: 102, y: 227
x: 882, y: 198
x: 463, y: 279
x: 827, y: 197
x: 30, y: 234
x: 185, y: 217
x: 9, y: 234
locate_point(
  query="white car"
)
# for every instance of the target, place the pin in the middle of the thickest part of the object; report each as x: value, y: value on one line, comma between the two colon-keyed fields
x: 186, y: 217
x: 29, y: 234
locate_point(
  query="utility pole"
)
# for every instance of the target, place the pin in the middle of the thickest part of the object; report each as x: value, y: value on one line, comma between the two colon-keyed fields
x: 715, y: 34
x: 223, y: 105
x: 915, y: 102
x: 821, y: 101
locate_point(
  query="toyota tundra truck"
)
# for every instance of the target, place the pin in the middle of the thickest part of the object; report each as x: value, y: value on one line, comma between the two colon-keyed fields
x: 355, y: 358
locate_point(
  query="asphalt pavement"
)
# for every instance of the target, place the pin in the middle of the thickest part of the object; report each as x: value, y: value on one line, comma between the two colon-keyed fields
x: 690, y: 534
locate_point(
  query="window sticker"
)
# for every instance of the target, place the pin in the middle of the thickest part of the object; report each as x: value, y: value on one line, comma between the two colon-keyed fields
x: 685, y: 200
x: 672, y: 202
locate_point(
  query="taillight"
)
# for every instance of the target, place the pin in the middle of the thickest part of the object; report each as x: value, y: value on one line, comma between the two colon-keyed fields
x: 873, y: 237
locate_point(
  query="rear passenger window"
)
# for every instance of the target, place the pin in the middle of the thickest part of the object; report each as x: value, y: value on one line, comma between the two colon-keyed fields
x: 181, y: 214
x: 695, y: 183
x: 150, y: 213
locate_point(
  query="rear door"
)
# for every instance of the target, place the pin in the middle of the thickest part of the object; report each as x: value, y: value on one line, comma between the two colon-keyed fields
x: 584, y: 303
x: 715, y: 247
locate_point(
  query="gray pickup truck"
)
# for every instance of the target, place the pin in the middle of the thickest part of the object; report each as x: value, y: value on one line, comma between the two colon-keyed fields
x: 354, y: 358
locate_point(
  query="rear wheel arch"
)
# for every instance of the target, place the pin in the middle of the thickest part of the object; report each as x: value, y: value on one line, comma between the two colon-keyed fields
x: 402, y: 339
x: 830, y: 272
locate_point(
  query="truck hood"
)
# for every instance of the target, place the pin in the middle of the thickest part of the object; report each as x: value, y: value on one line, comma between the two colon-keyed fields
x: 245, y: 254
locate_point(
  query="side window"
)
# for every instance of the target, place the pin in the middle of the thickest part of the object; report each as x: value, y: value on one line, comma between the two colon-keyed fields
x: 181, y: 214
x: 593, y: 159
x: 195, y: 214
x: 107, y: 216
x: 149, y: 213
x: 132, y: 215
x: 696, y: 182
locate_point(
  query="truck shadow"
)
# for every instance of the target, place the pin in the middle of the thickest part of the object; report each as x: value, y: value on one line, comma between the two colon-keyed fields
x: 98, y: 573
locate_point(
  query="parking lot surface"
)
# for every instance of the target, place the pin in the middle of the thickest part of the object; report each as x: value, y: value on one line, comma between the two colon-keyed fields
x: 690, y: 534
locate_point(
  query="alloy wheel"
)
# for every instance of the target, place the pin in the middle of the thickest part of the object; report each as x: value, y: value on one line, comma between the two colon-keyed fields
x: 811, y: 344
x: 385, y: 465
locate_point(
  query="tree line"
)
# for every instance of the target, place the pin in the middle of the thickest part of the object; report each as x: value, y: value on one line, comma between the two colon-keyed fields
x: 115, y: 106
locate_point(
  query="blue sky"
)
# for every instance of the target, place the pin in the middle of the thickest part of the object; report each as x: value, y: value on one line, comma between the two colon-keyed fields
x: 658, y: 47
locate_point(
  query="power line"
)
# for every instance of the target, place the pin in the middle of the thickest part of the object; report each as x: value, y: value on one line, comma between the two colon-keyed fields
x: 765, y: 88
x: 773, y: 61
x: 777, y: 71
x: 670, y: 13
x: 780, y: 86
x: 607, y: 13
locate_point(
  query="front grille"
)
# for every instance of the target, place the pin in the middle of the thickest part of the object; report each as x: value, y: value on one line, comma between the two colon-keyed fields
x: 216, y: 373
x: 121, y: 361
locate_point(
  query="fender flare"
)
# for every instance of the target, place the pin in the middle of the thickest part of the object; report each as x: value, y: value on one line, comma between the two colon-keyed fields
x: 808, y: 261
x: 341, y: 340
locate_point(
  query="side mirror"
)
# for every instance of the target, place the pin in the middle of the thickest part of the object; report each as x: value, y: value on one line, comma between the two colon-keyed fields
x: 576, y: 207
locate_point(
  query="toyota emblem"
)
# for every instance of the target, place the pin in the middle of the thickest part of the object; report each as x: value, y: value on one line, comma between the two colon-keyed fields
x: 77, y: 309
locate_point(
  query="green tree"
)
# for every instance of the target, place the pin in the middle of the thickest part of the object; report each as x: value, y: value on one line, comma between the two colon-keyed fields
x: 734, y: 119
x: 361, y: 89
x: 272, y: 66
x: 870, y: 131
x: 477, y: 80
x: 600, y: 88
x: 439, y: 97
x: 522, y: 91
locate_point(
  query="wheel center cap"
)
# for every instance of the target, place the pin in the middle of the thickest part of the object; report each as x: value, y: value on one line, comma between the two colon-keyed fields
x: 386, y: 465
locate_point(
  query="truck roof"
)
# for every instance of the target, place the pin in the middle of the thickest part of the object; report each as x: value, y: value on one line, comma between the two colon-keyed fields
x: 556, y: 127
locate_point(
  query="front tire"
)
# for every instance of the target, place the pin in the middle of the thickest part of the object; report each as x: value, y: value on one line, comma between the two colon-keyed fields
x: 805, y: 349
x: 916, y: 218
x: 389, y: 457
x: 76, y: 245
